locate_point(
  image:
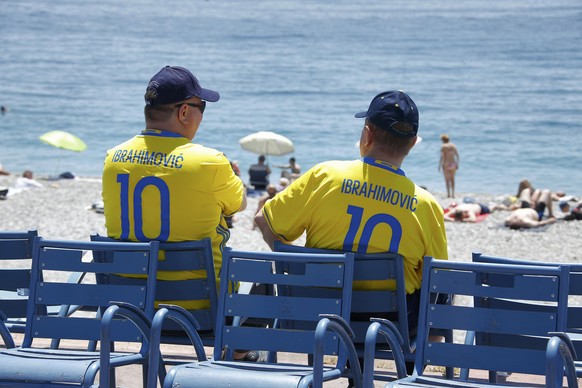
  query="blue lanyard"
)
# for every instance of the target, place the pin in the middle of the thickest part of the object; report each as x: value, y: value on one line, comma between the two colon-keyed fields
x: 160, y: 133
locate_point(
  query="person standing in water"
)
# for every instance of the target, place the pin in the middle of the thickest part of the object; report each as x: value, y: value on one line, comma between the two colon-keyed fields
x: 449, y: 163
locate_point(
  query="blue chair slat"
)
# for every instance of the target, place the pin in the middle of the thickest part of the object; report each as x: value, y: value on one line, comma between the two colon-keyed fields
x: 183, y: 290
x: 14, y: 278
x: 486, y: 283
x: 130, y: 263
x: 52, y: 261
x: 506, y: 321
x: 314, y: 338
x: 296, y: 308
x: 192, y: 256
x: 90, y: 295
x: 16, y: 245
x: 297, y: 341
x: 314, y: 274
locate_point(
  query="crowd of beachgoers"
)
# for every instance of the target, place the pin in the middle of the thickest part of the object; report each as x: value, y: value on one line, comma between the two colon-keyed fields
x: 69, y: 209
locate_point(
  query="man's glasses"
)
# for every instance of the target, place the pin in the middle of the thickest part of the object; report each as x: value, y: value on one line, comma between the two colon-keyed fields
x: 200, y: 106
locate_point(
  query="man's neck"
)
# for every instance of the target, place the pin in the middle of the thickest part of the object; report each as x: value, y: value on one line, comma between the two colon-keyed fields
x: 166, y: 126
x: 395, y: 161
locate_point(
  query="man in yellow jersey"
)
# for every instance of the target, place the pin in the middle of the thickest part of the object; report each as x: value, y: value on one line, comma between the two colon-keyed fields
x: 366, y: 205
x: 158, y: 185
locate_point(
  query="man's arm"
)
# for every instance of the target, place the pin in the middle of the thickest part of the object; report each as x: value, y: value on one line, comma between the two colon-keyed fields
x: 243, y: 204
x: 449, y: 216
x: 525, y: 222
x: 547, y: 221
x: 470, y: 218
x: 265, y: 229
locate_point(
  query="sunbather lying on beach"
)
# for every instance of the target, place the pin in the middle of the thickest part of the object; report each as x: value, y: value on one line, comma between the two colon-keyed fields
x: 528, y: 217
x: 468, y: 212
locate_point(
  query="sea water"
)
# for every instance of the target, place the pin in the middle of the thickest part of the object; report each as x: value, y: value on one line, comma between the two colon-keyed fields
x: 503, y: 78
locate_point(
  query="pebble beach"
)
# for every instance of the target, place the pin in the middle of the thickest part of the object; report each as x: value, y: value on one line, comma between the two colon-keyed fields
x: 62, y: 209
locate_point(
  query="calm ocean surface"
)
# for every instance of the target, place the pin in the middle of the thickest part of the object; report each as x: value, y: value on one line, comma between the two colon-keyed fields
x: 503, y: 78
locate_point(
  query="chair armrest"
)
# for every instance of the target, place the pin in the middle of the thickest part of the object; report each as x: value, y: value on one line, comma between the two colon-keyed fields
x: 187, y: 322
x: 559, y: 356
x: 5, y: 333
x: 336, y: 324
x: 567, y: 340
x: 134, y: 315
x: 395, y: 342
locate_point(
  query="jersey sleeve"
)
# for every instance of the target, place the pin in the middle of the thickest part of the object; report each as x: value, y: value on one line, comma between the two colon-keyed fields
x: 437, y: 247
x: 228, y: 188
x: 288, y: 213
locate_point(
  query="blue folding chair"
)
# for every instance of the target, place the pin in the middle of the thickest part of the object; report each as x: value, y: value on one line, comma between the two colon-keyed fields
x: 322, y: 335
x: 487, y: 284
x: 14, y: 282
x: 71, y: 365
x: 388, y: 269
x: 574, y: 324
x: 193, y: 255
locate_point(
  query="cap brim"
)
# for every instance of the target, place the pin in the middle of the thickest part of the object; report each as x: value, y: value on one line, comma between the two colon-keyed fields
x: 209, y: 95
x: 360, y: 115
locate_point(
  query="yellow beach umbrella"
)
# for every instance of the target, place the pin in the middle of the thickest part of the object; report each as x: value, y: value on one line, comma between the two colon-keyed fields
x: 64, y: 140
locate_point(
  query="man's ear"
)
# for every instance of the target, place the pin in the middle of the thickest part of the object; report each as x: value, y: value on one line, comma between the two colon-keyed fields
x: 368, y: 135
x: 414, y: 142
x: 182, y: 113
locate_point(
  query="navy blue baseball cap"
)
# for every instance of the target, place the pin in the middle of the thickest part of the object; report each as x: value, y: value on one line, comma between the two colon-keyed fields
x: 392, y: 107
x: 174, y: 84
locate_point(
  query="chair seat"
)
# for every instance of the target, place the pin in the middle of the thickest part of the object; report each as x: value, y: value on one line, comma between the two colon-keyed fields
x: 221, y: 374
x: 56, y: 365
x: 45, y: 366
x: 423, y: 381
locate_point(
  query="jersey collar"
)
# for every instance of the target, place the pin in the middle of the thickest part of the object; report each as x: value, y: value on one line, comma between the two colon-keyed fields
x: 384, y: 165
x: 159, y: 132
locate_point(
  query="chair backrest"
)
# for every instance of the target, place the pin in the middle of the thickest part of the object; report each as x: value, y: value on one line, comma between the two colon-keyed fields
x: 494, y: 288
x: 387, y: 271
x: 54, y: 260
x: 174, y: 285
x: 321, y: 270
x: 14, y: 282
x: 574, y: 323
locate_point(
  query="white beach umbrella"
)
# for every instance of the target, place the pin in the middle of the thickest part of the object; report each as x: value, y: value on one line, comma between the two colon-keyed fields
x: 267, y: 143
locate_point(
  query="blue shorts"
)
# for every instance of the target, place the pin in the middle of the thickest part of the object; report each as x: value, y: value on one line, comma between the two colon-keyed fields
x: 540, y: 208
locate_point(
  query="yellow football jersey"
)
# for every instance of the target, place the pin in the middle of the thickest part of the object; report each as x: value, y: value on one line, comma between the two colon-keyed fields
x: 160, y: 186
x: 365, y: 206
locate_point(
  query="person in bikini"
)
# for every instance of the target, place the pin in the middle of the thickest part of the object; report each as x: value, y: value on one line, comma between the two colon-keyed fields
x: 449, y: 163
